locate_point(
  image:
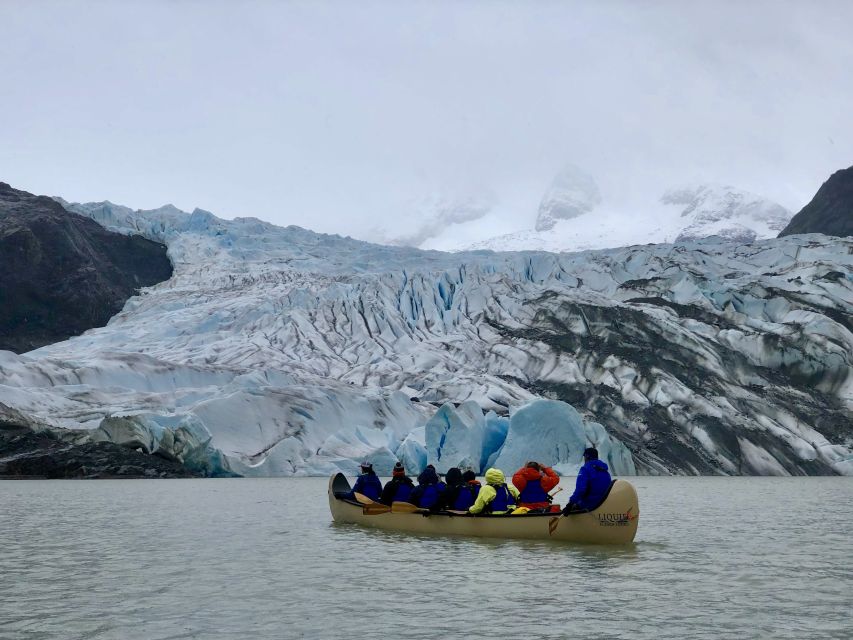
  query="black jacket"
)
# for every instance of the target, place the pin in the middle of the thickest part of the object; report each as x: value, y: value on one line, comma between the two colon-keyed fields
x: 389, y: 493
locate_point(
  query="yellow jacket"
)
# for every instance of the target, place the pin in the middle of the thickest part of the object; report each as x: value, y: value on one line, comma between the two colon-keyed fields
x: 487, y: 491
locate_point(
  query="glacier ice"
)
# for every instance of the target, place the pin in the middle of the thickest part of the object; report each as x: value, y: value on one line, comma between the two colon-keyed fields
x: 494, y: 436
x: 412, y: 451
x: 554, y: 433
x: 182, y: 438
x: 349, y: 446
x: 292, y: 348
x: 454, y: 437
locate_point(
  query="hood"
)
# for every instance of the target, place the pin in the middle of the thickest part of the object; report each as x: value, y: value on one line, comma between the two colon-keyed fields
x: 428, y: 476
x: 495, y: 476
x: 453, y: 476
x: 530, y: 474
x: 598, y: 465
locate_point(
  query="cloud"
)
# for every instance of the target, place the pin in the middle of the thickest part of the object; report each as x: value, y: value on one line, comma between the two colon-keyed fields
x: 334, y: 116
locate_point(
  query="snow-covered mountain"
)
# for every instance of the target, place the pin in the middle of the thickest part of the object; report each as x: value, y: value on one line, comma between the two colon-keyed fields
x: 572, y: 194
x: 573, y: 214
x: 724, y: 211
x: 282, y: 351
x: 688, y: 213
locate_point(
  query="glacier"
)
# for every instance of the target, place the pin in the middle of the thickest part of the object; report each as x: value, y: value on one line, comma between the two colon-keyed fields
x: 279, y: 351
x: 554, y: 433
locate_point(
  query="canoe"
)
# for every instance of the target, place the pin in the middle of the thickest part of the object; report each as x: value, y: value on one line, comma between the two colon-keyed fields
x: 614, y: 522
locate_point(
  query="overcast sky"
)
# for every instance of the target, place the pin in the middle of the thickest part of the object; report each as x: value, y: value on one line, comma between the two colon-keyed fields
x: 336, y: 116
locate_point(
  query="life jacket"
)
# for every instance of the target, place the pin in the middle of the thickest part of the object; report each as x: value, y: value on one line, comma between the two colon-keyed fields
x: 404, y: 490
x: 466, y: 494
x: 533, y: 492
x: 368, y: 484
x: 503, y: 500
x: 429, y: 496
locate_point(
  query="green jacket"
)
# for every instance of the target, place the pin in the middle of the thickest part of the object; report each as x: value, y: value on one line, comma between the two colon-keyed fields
x: 494, y: 478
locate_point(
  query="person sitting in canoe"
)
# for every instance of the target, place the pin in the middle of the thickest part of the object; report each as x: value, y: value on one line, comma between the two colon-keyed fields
x: 453, y: 480
x: 461, y: 493
x: 534, y: 481
x: 496, y: 496
x: 465, y: 494
x: 399, y: 487
x: 368, y: 484
x: 470, y: 479
x: 592, y: 484
x: 429, y: 494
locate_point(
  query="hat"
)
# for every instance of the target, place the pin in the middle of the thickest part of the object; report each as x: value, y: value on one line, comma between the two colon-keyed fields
x: 367, y: 465
x: 469, y: 475
x: 590, y: 453
x: 398, y: 470
x: 453, y: 476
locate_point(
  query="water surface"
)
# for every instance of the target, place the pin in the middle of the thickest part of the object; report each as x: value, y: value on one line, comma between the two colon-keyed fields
x: 260, y: 558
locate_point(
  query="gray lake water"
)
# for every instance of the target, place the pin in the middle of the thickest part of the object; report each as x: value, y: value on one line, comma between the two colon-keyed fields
x: 260, y: 558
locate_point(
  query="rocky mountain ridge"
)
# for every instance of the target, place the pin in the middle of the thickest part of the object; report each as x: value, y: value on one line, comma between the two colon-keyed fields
x: 61, y: 273
x: 830, y: 211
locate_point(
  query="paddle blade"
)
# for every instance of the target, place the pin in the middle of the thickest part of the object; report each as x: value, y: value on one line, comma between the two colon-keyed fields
x: 363, y: 499
x: 405, y: 507
x: 375, y: 509
x: 552, y: 525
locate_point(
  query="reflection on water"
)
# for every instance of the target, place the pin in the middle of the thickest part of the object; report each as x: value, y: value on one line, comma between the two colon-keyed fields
x: 714, y: 558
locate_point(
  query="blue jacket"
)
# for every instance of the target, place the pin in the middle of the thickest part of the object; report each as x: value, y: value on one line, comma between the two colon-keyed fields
x: 429, y: 492
x: 592, y: 485
x: 461, y: 496
x: 368, y: 484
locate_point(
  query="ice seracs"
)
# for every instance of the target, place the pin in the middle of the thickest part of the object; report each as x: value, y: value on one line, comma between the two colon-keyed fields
x: 553, y: 433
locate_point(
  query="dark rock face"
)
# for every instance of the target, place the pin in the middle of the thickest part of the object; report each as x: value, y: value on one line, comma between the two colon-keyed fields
x: 25, y: 453
x: 831, y: 210
x: 62, y: 273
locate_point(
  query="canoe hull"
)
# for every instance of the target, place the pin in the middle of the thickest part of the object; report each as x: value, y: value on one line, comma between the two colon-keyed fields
x: 614, y: 522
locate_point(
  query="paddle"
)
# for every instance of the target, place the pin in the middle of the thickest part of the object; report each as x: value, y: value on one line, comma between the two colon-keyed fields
x: 375, y: 509
x: 553, y: 522
x: 406, y: 507
x: 370, y: 507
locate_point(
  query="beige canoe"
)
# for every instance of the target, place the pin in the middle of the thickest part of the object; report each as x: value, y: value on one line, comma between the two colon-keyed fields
x: 614, y: 522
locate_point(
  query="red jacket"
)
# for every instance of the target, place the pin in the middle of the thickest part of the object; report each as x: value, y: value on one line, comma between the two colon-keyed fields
x: 547, y: 480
